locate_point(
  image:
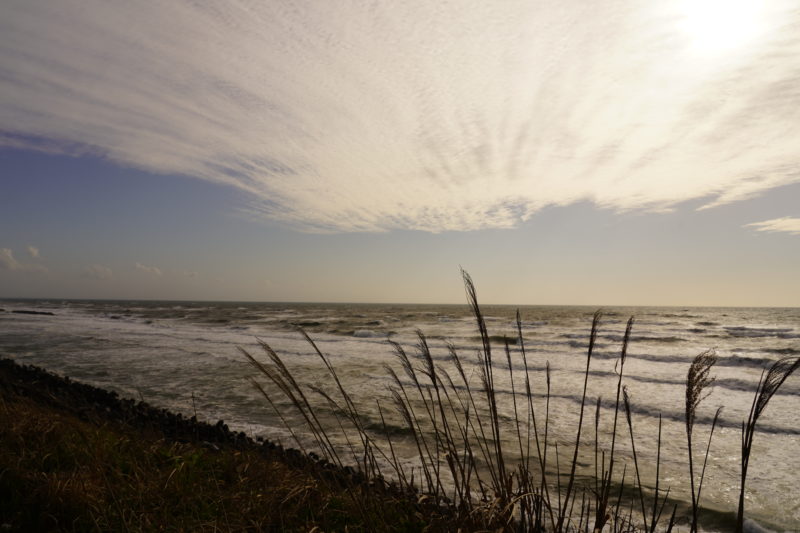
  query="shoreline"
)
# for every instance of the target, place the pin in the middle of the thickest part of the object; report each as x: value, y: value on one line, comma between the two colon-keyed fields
x: 327, y: 497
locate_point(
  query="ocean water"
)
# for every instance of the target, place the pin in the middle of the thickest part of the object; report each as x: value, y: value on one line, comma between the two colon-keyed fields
x: 185, y: 356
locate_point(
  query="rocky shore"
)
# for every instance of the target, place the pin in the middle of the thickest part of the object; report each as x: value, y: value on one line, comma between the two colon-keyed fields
x: 122, y: 464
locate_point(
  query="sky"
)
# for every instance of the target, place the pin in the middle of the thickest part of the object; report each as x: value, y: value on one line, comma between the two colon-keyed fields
x: 624, y: 152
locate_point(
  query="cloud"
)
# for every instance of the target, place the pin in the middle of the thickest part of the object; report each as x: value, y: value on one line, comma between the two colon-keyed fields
x: 33, y: 252
x: 149, y: 269
x: 9, y: 262
x: 414, y: 115
x: 98, y: 272
x: 190, y: 274
x: 788, y: 225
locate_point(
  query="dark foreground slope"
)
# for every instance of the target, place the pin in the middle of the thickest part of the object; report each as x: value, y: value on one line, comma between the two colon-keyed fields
x: 77, y: 458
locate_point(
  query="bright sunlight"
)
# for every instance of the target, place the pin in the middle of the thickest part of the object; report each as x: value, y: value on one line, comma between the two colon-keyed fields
x: 721, y: 25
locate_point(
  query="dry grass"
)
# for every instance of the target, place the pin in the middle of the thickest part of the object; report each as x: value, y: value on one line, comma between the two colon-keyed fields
x: 464, y: 460
x: 495, y: 474
x: 768, y: 385
x: 67, y: 469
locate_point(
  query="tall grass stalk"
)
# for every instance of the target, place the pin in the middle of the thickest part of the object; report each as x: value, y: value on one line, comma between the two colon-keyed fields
x: 568, y: 493
x: 766, y: 389
x: 698, y: 379
x: 606, y: 479
x: 628, y: 417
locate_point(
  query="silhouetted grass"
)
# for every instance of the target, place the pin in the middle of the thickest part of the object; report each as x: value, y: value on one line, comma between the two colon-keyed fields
x: 496, y: 474
x: 767, y: 387
x: 698, y: 379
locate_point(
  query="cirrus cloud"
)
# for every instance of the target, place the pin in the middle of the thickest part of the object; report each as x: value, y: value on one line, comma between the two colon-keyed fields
x: 149, y: 269
x: 790, y: 225
x: 418, y: 115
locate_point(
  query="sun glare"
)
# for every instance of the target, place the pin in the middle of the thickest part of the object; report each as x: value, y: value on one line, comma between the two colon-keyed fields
x: 720, y: 25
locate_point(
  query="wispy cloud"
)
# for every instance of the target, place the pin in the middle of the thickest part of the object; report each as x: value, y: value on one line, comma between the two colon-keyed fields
x: 33, y: 251
x: 9, y: 262
x: 149, y: 269
x: 98, y: 272
x: 420, y: 115
x: 789, y: 225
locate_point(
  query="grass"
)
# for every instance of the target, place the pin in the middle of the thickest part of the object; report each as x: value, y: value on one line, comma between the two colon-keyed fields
x: 501, y: 475
x: 767, y: 387
x: 698, y: 379
x: 63, y: 473
x: 71, y: 462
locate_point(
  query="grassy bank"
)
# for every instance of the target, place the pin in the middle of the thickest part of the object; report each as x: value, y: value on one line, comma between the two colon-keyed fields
x: 76, y: 458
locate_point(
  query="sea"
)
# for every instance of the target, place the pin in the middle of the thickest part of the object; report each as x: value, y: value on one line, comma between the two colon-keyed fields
x: 186, y: 356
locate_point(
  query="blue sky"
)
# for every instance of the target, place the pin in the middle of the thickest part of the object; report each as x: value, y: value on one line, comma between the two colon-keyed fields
x: 561, y: 153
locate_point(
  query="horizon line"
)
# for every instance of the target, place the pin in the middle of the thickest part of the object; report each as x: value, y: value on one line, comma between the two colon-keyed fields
x: 310, y: 302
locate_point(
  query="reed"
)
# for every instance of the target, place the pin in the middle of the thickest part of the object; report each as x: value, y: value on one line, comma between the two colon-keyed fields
x: 698, y: 380
x: 496, y: 467
x: 766, y: 389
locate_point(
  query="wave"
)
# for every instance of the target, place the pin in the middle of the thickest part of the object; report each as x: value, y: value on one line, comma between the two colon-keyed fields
x: 727, y: 361
x: 744, y: 331
x: 499, y: 339
x: 368, y: 334
x: 680, y: 381
x: 679, y: 416
x: 666, y: 340
x: 652, y: 412
x: 782, y: 351
x: 738, y: 360
x: 725, y: 383
x: 613, y: 337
